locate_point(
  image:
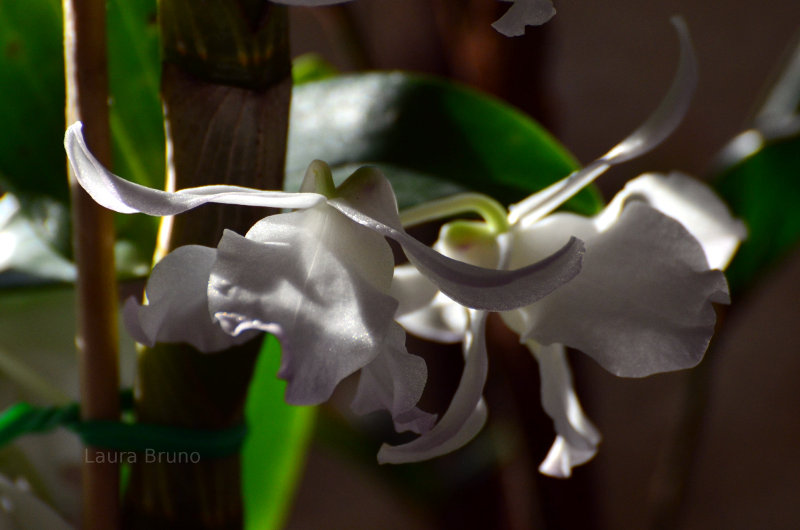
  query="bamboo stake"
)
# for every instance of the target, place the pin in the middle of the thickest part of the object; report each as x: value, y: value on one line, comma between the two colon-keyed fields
x: 93, y: 239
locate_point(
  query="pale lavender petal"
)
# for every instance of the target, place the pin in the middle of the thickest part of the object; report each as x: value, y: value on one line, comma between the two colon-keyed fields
x: 412, y: 289
x: 394, y: 381
x: 321, y: 280
x: 123, y: 196
x: 660, y: 124
x: 466, y: 414
x: 524, y: 13
x: 642, y: 303
x: 423, y: 310
x: 693, y: 204
x: 177, y: 304
x: 443, y: 320
x: 577, y: 439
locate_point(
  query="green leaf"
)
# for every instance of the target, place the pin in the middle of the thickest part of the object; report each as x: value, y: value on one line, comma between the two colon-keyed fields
x: 32, y: 160
x: 32, y: 108
x: 311, y: 67
x: 32, y: 163
x: 274, y: 451
x: 760, y: 177
x: 764, y: 190
x: 136, y: 119
x: 440, y: 135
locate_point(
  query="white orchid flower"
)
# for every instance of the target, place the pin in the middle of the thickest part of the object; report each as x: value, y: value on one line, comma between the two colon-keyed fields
x: 522, y: 13
x: 318, y: 278
x: 642, y: 303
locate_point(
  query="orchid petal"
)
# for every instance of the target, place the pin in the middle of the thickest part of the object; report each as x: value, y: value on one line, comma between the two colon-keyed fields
x: 424, y: 311
x: 660, y: 124
x: 320, y: 281
x: 691, y: 203
x: 120, y: 195
x: 524, y: 13
x: 394, y: 381
x: 441, y: 321
x: 412, y: 290
x: 642, y: 303
x: 466, y: 414
x: 177, y: 304
x: 471, y: 286
x: 577, y: 439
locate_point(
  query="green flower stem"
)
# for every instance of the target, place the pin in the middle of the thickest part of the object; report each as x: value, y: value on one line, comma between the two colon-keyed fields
x: 93, y: 229
x: 226, y: 85
x: 492, y: 211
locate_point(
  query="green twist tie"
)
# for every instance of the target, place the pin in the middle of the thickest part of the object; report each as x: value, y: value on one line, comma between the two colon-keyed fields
x: 23, y: 418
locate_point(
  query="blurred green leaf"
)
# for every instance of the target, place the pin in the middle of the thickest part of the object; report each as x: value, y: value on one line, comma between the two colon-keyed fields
x: 136, y: 119
x: 32, y: 114
x: 32, y: 160
x: 760, y: 177
x: 764, y: 190
x: 447, y: 137
x: 32, y: 108
x: 274, y: 451
x: 311, y: 67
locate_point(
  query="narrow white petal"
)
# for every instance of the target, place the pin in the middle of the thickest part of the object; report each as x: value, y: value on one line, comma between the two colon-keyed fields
x: 562, y: 457
x: 477, y: 287
x: 660, y: 124
x: 466, y: 414
x: 642, y: 303
x: 670, y: 111
x: 367, y: 198
x: 524, y: 13
x: 577, y: 439
x: 321, y: 281
x: 690, y: 202
x: 394, y: 381
x: 123, y: 196
x: 177, y: 304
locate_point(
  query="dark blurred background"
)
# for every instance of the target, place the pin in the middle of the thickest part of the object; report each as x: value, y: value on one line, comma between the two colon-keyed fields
x: 716, y: 447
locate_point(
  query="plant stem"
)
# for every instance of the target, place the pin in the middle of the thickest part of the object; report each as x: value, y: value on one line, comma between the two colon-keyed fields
x: 93, y: 239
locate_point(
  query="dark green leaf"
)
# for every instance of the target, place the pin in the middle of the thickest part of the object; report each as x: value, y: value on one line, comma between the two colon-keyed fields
x: 32, y: 164
x: 136, y: 120
x: 274, y: 452
x: 450, y: 138
x: 764, y: 190
x: 32, y: 107
x: 760, y: 177
x: 32, y: 160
